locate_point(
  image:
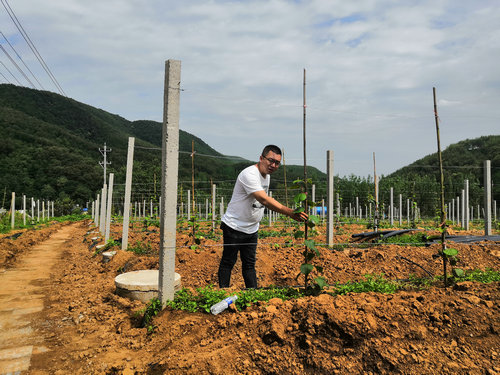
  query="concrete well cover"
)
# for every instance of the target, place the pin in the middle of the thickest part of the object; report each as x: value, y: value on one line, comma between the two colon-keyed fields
x: 144, y: 280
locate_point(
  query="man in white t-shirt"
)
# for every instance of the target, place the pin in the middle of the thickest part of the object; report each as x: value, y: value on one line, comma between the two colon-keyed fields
x: 240, y: 223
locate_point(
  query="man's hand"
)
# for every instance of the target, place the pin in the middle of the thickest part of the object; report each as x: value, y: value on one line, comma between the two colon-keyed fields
x: 300, y: 216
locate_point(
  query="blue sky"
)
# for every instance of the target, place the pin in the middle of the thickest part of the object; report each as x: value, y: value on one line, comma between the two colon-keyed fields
x: 370, y: 65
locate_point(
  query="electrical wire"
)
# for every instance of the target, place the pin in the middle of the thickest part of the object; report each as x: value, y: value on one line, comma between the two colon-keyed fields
x: 17, y: 66
x: 20, y: 58
x: 13, y: 76
x: 32, y: 46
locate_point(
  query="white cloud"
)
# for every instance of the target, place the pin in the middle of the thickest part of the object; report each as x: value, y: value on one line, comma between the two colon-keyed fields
x: 371, y: 66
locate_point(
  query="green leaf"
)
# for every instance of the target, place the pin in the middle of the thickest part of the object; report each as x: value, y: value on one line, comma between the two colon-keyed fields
x: 450, y: 252
x: 306, y: 269
x: 310, y: 244
x: 298, y: 234
x: 458, y: 272
x: 321, y: 282
x: 300, y: 197
x: 298, y: 210
x: 314, y: 219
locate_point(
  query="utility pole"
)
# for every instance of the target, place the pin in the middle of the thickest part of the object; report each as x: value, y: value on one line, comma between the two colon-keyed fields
x: 105, y: 162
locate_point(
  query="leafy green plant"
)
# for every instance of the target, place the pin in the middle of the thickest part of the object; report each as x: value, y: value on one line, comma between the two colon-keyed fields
x: 372, y: 283
x: 311, y: 252
x: 150, y: 311
x: 140, y: 248
x: 205, y: 297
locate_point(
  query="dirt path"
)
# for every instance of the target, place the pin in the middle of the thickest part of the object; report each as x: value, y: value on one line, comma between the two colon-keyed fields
x: 22, y: 294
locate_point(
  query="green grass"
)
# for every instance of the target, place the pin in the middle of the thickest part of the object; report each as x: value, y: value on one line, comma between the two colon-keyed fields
x: 203, y: 298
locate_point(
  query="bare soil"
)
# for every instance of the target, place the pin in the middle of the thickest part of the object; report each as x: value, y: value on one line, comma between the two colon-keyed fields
x: 88, y: 329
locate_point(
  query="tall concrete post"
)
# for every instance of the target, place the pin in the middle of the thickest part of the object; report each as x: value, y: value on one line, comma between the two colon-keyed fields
x: 458, y: 210
x: 102, y: 216
x: 170, y: 162
x: 329, y: 198
x: 108, y: 208
x: 463, y: 214
x: 391, y: 208
x: 97, y: 210
x: 487, y: 198
x: 32, y: 210
x: 400, y: 209
x: 466, y: 203
x: 13, y: 211
x: 24, y: 210
x: 214, y: 214
x: 270, y: 212
x: 189, y: 205
x: 313, y: 195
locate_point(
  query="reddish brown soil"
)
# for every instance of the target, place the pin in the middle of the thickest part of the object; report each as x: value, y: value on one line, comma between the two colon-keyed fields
x: 88, y: 329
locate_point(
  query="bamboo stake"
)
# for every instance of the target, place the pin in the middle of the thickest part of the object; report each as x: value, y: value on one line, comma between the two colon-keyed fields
x: 441, y: 175
x: 304, y: 143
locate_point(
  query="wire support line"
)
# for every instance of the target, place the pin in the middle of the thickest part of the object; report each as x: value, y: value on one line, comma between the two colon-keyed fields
x: 13, y: 76
x: 4, y: 77
x: 32, y: 46
x: 17, y: 66
x: 21, y: 59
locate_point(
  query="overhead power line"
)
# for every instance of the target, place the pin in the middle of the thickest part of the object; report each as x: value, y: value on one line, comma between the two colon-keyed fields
x: 31, y: 45
x: 20, y: 58
x: 17, y: 66
x: 13, y: 76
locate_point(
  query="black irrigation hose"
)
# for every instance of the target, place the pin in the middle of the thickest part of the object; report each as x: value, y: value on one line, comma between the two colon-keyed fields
x: 416, y: 264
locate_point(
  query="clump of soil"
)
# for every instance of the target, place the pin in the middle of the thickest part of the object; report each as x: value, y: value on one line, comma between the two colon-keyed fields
x: 89, y: 329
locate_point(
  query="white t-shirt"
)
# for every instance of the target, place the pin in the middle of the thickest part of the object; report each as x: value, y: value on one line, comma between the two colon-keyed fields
x: 244, y: 212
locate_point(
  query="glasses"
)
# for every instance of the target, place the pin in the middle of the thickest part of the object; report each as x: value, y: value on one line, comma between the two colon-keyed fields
x: 272, y: 161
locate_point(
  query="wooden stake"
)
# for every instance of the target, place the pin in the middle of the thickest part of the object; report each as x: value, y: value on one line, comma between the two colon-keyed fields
x: 441, y: 176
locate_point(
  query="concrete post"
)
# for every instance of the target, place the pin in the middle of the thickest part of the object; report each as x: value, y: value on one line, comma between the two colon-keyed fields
x: 128, y: 192
x: 391, y: 207
x: 108, y: 208
x: 13, y: 211
x: 408, y: 211
x: 102, y: 216
x: 463, y: 214
x: 357, y: 208
x: 458, y: 210
x: 53, y: 209
x: 221, y: 206
x: 487, y: 198
x: 24, y: 210
x: 213, y: 206
x: 337, y: 195
x: 93, y: 210
x: 189, y: 205
x: 206, y: 209
x: 269, y: 212
x: 313, y: 195
x: 400, y: 209
x: 170, y: 162
x: 97, y: 210
x: 466, y: 204
x: 32, y: 210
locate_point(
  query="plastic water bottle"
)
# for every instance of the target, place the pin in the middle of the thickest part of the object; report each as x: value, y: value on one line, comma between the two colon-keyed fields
x: 222, y: 305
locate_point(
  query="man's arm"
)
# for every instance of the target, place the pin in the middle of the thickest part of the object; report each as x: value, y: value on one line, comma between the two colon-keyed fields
x: 274, y: 205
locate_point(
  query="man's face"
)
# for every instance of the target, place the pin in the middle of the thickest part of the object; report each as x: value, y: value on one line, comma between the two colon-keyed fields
x: 271, y: 162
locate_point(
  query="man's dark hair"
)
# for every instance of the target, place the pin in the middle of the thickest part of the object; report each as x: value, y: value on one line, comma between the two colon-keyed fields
x: 272, y: 148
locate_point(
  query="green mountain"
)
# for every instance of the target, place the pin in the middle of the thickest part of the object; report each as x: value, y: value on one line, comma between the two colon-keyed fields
x: 461, y: 161
x: 49, y: 149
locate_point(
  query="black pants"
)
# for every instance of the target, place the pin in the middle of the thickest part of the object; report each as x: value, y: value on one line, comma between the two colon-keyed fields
x: 246, y: 244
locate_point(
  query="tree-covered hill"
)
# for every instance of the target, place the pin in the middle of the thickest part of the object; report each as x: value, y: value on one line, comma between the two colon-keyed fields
x: 49, y: 149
